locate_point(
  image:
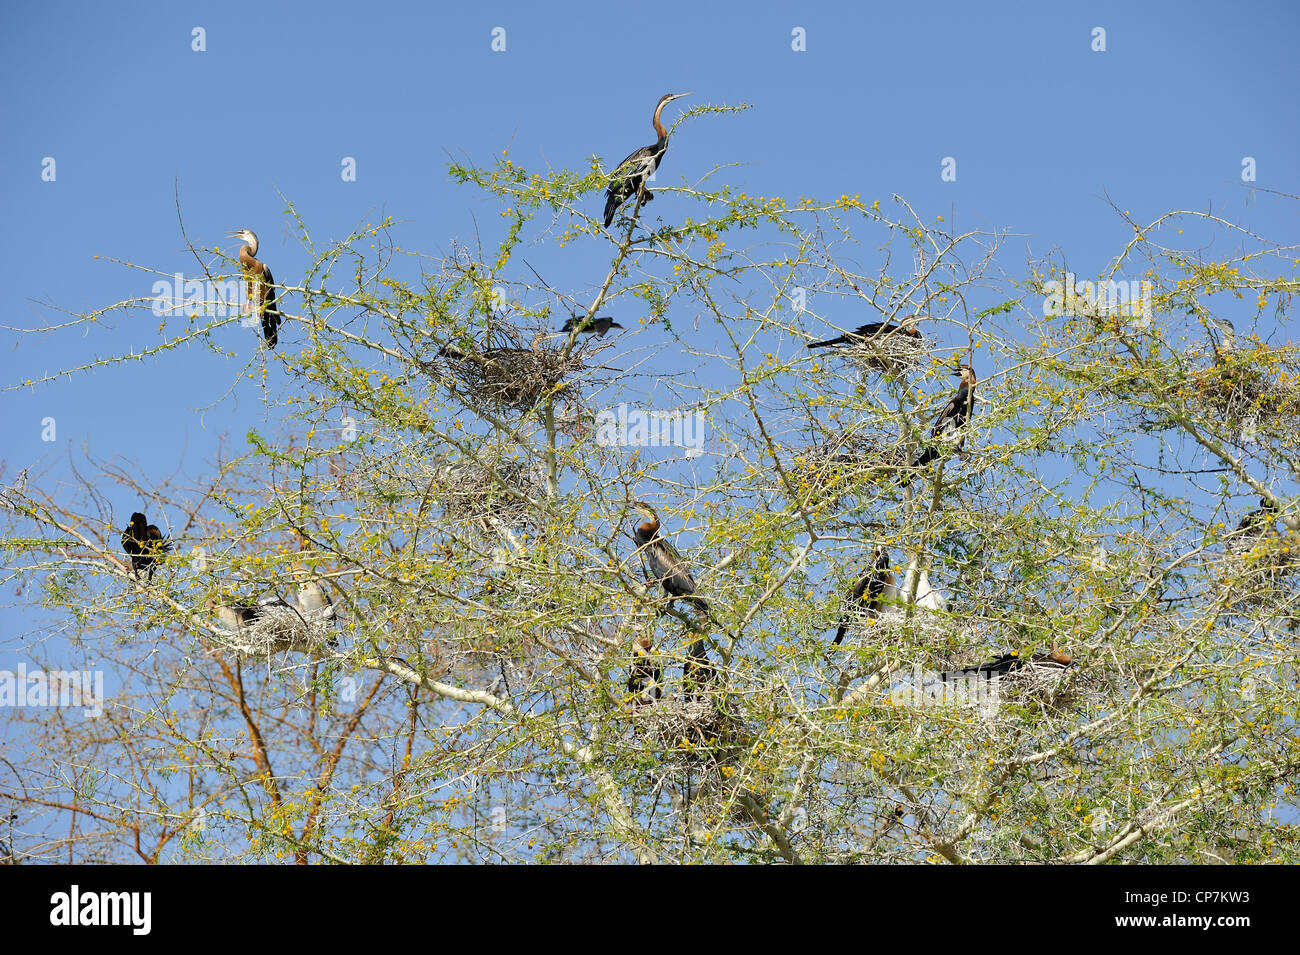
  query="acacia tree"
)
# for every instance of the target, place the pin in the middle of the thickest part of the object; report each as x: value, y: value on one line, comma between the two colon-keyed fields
x: 437, y: 461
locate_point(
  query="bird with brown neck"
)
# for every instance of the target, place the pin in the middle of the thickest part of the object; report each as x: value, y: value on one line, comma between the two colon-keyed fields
x: 259, y: 286
x: 632, y: 174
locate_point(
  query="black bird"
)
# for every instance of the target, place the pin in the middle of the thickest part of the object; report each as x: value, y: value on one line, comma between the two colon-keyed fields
x: 645, y: 677
x: 954, y: 417
x: 698, y: 669
x: 260, y: 287
x: 868, y: 593
x: 144, y: 544
x: 1008, y: 662
x: 599, y: 325
x: 663, y: 564
x: 865, y: 333
x: 1259, y: 521
x: 631, y: 174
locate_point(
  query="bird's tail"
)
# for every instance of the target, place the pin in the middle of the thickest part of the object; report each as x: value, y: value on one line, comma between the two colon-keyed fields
x: 612, y: 200
x: 829, y: 341
x: 839, y: 634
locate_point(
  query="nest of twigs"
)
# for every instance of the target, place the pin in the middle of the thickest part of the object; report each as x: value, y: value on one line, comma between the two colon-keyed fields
x: 1251, y: 396
x: 483, y: 493
x: 937, y: 634
x: 842, y: 463
x: 509, y: 373
x: 281, y: 629
x: 1048, y: 687
x: 686, y: 733
x: 895, y: 354
x: 1258, y: 570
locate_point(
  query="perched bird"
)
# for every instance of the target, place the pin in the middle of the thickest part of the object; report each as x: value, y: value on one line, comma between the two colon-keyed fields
x: 1258, y: 522
x: 144, y: 543
x: 868, y: 332
x: 953, y: 419
x: 868, y: 593
x: 1223, y: 336
x: 663, y: 564
x: 599, y: 325
x: 645, y: 677
x: 631, y: 175
x: 260, y: 287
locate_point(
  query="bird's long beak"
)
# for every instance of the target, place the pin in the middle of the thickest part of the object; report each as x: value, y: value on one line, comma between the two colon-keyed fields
x: 680, y: 95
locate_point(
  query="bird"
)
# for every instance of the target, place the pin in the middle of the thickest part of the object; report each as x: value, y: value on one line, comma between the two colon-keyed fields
x: 144, y: 543
x: 584, y: 326
x: 954, y: 417
x: 260, y: 286
x: 644, y: 680
x: 1007, y: 662
x: 312, y: 598
x: 698, y: 669
x: 1226, y: 335
x: 1259, y: 521
x: 865, y: 333
x: 631, y: 175
x: 235, y: 616
x: 926, y: 596
x: 662, y: 562
x: 868, y: 593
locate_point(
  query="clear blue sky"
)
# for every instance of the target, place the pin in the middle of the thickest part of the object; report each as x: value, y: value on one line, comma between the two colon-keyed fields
x: 1040, y: 125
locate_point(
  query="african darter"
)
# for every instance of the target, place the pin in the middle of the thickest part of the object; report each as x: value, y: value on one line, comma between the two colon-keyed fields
x: 144, y: 543
x: 599, y: 325
x: 260, y: 287
x: 866, y: 333
x: 633, y: 172
x: 868, y: 593
x: 666, y: 567
x: 954, y: 417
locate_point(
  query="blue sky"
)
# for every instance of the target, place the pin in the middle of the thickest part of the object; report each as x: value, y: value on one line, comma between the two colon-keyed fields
x: 1040, y: 125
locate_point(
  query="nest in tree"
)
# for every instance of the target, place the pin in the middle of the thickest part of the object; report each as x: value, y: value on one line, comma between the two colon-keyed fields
x: 842, y: 463
x: 513, y: 374
x: 281, y: 628
x: 1259, y: 570
x: 686, y: 733
x: 486, y: 493
x: 895, y: 354
x: 1249, y: 395
x: 987, y: 695
x: 936, y: 633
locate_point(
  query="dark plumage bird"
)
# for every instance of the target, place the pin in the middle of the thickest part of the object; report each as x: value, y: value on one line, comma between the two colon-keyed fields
x: 868, y: 593
x: 865, y: 333
x: 631, y: 174
x: 1259, y: 521
x: 663, y: 564
x: 954, y: 417
x: 599, y: 325
x: 1007, y: 663
x: 645, y: 676
x: 144, y: 544
x: 260, y: 287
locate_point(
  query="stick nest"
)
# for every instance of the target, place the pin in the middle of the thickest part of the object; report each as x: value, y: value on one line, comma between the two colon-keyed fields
x: 895, y: 354
x: 842, y: 463
x: 510, y: 373
x: 280, y: 629
x: 484, y: 493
